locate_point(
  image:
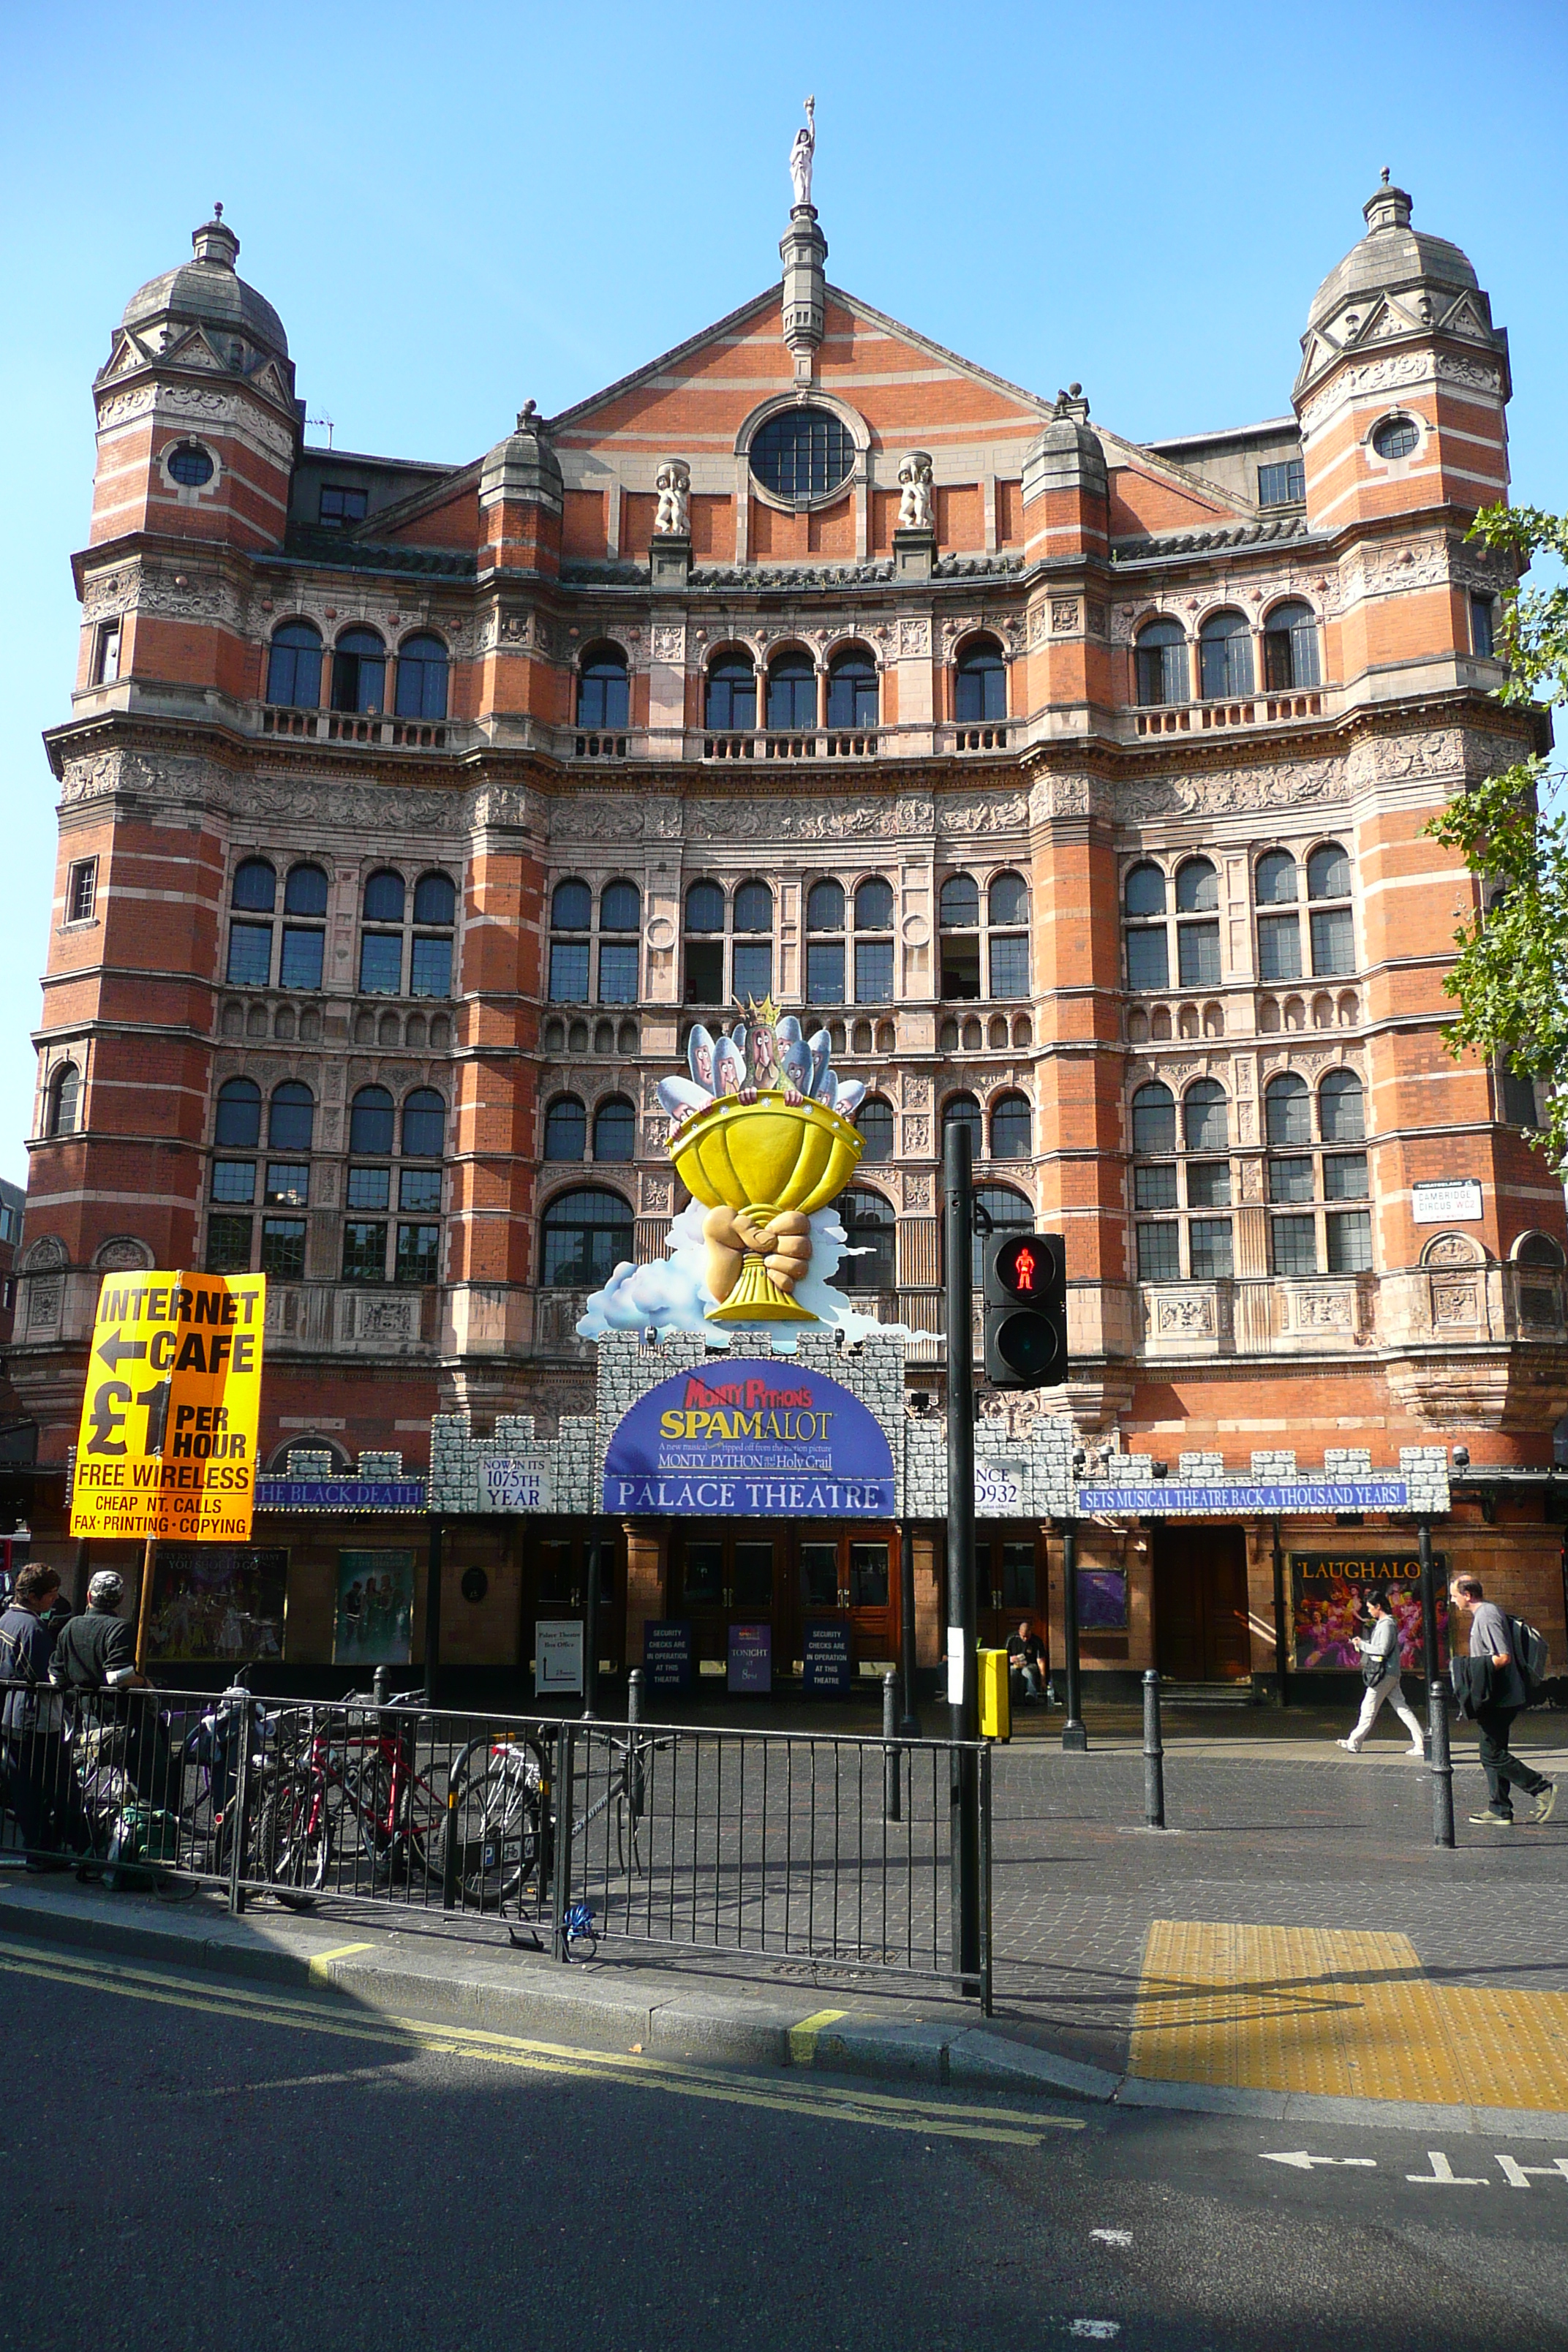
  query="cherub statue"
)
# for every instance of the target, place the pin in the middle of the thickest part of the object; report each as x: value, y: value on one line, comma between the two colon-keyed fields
x: 801, y: 154
x: 915, y: 508
x: 672, y: 517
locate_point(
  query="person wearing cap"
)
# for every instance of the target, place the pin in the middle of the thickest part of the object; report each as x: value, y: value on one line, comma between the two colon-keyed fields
x: 97, y: 1651
x: 44, y: 1793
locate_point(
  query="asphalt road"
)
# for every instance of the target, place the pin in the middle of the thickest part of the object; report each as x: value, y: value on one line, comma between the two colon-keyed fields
x: 221, y: 2169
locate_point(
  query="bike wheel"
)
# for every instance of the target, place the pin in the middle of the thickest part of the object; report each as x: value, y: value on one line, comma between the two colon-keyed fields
x: 497, y: 1823
x: 293, y: 1842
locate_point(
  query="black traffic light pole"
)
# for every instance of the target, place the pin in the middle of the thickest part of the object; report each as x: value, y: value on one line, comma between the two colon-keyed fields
x: 961, y: 1695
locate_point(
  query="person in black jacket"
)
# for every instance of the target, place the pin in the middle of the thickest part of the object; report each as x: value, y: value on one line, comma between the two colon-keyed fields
x: 97, y: 1651
x: 41, y: 1783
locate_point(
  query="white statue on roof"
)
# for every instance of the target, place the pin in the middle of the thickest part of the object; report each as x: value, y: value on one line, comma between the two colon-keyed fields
x: 801, y: 154
x: 673, y: 484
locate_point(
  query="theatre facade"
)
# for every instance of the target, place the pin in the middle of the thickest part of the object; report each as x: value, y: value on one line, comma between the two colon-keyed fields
x: 412, y: 816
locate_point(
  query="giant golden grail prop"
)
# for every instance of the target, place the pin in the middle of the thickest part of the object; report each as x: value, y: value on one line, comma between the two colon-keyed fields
x: 759, y: 1169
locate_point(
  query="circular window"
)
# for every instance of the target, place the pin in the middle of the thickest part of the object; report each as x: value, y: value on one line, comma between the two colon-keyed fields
x: 803, y: 454
x: 1396, y: 436
x: 189, y: 465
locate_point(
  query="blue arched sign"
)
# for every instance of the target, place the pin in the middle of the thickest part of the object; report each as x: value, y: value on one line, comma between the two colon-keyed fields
x: 750, y: 1437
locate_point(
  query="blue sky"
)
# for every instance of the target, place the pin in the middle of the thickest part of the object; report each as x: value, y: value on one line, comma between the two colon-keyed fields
x: 456, y: 208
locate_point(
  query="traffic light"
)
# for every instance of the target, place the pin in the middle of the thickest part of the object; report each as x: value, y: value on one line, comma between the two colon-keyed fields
x: 1025, y: 1310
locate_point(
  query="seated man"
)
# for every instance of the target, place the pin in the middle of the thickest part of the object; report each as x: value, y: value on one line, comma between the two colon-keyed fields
x: 1025, y: 1664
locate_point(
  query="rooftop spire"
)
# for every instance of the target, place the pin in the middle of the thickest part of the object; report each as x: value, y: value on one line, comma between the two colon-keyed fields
x: 804, y: 249
x: 215, y: 241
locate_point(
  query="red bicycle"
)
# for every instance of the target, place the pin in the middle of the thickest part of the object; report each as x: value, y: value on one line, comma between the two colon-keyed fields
x: 346, y: 1810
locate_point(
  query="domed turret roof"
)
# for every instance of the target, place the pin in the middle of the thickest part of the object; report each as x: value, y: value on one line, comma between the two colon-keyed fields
x: 1390, y: 256
x: 208, y: 291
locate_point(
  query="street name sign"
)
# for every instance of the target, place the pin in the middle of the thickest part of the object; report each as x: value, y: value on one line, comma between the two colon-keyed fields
x: 169, y: 1414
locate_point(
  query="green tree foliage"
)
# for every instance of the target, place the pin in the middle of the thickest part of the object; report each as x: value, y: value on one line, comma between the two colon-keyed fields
x: 1510, y: 980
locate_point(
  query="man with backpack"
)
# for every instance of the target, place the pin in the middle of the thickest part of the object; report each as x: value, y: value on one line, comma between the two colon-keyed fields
x: 1498, y: 1691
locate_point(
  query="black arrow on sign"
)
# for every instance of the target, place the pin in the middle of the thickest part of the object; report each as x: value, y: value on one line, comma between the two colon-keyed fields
x: 115, y: 1349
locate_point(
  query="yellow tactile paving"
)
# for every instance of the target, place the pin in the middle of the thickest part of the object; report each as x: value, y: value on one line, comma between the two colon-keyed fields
x: 1348, y: 2014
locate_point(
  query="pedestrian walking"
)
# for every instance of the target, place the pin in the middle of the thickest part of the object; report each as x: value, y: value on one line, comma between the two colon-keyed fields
x: 97, y: 1651
x: 1502, y: 1694
x: 41, y: 1783
x: 1380, y: 1671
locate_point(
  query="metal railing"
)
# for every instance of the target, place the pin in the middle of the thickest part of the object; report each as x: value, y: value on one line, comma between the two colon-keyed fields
x: 767, y: 1847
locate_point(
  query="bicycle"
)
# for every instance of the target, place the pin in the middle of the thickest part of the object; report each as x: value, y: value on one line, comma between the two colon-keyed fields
x: 500, y: 1822
x: 363, y: 1777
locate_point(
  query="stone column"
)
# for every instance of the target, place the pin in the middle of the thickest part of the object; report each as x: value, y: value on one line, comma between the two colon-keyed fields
x: 648, y: 1580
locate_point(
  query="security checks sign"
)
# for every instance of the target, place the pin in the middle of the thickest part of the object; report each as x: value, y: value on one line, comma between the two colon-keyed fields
x: 750, y: 1437
x: 167, y: 1445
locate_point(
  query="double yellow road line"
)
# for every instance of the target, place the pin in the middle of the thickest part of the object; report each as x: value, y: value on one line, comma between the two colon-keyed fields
x: 410, y: 2037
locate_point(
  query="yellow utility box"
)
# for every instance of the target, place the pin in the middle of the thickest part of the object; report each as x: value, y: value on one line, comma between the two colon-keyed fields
x: 995, y: 1696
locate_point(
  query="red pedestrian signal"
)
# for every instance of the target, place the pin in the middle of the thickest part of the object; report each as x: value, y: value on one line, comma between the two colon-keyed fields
x: 1025, y: 1324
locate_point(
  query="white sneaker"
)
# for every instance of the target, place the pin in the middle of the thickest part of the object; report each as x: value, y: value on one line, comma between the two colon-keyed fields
x: 1416, y: 1755
x: 1349, y: 1746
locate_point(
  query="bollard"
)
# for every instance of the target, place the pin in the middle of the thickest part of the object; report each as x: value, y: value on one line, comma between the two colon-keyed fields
x: 1441, y: 1763
x: 634, y: 1695
x: 1153, y: 1755
x: 380, y: 1685
x: 892, y: 1759
x: 637, y: 1770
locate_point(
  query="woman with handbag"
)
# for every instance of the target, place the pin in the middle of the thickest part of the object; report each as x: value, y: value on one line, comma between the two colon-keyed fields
x: 1379, y: 1672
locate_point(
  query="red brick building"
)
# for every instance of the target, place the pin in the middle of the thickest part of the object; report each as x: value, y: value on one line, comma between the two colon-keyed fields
x: 411, y: 813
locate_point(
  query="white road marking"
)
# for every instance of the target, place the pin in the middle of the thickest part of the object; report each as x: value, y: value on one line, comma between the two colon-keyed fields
x: 1442, y: 2175
x: 1099, y: 2327
x: 1517, y: 2176
x: 1300, y: 2161
x: 1112, y: 2237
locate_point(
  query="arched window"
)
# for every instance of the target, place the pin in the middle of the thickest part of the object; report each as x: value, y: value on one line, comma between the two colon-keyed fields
x: 792, y: 694
x: 825, y: 907
x: 64, y: 1094
x: 730, y: 697
x: 359, y: 671
x: 370, y: 1123
x: 587, y: 1234
x: 1153, y: 1120
x: 875, y: 1120
x: 383, y: 898
x: 825, y: 943
x: 874, y: 905
x: 867, y: 1219
x: 979, y: 685
x: 424, y: 1125
x: 1539, y: 1250
x: 1198, y: 887
x: 1341, y: 1107
x: 1007, y: 910
x: 1002, y: 1210
x: 1206, y: 1125
x: 960, y: 903
x: 565, y: 1128
x: 1144, y: 892
x: 852, y: 689
x: 570, y: 910
x: 1197, y: 944
x: 305, y: 893
x: 1012, y: 1127
x: 255, y: 886
x: 1160, y: 664
x: 752, y: 959
x: 1225, y: 646
x: 1287, y: 1111
x: 1008, y: 899
x: 620, y: 907
x: 604, y: 696
x: 1277, y: 882
x: 705, y: 907
x: 294, y: 666
x: 237, y: 1125
x: 614, y: 1129
x: 290, y: 1116
x: 1290, y: 648
x: 964, y: 1110
x: 1328, y: 872
x: 422, y: 678
x: 1396, y: 436
x: 1332, y: 926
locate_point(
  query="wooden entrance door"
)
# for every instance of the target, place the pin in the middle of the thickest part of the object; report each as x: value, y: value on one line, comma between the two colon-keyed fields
x: 852, y: 1573
x: 1200, y: 1603
x: 722, y: 1578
